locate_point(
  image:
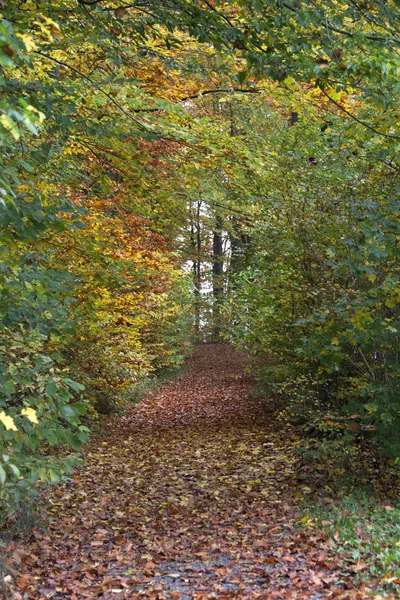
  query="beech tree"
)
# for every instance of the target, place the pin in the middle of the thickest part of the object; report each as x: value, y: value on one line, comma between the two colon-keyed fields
x: 138, y: 137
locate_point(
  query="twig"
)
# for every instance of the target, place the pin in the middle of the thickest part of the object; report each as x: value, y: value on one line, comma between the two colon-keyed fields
x: 363, y: 123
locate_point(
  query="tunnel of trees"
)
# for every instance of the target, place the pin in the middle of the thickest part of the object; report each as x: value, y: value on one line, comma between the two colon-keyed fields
x: 177, y: 171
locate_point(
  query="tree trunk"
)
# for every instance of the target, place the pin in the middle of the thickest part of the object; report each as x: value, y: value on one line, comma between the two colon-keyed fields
x: 195, y: 233
x: 240, y: 241
x: 218, y: 276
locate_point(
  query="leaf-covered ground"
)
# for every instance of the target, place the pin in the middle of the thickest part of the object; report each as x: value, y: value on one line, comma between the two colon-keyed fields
x: 190, y: 495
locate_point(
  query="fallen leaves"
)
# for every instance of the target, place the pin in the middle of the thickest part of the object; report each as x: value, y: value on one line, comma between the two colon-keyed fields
x: 189, y: 496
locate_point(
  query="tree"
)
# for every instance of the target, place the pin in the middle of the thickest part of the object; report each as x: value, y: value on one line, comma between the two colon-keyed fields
x: 137, y: 138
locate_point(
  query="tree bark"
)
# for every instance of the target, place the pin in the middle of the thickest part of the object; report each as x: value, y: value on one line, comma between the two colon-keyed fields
x: 218, y: 275
x: 196, y: 244
x: 240, y: 241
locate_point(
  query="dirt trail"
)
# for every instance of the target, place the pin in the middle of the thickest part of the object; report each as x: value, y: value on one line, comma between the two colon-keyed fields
x: 189, y: 496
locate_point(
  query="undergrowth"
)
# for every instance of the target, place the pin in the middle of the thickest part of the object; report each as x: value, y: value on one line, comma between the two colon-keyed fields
x: 365, y: 534
x: 347, y: 489
x: 19, y: 522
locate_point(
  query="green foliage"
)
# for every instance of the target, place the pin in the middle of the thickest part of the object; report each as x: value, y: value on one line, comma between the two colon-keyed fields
x: 359, y: 332
x: 104, y: 156
x: 79, y: 307
x: 41, y: 409
x: 40, y: 405
x: 318, y: 304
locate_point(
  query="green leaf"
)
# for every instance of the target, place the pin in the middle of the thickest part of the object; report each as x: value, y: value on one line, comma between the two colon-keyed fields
x: 73, y: 441
x: 51, y: 389
x: 67, y: 411
x: 10, y: 126
x: 74, y: 385
x: 3, y: 475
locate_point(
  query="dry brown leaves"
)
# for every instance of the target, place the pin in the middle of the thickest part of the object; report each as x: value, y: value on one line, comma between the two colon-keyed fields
x: 189, y: 496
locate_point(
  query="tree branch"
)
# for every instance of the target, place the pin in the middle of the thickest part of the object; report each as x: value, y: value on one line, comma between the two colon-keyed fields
x: 363, y: 123
x: 221, y: 91
x: 200, y: 94
x: 117, y: 104
x: 89, y: 2
x: 374, y: 38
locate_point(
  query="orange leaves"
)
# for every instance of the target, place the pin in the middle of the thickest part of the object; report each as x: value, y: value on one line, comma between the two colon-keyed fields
x: 120, y: 12
x: 128, y: 297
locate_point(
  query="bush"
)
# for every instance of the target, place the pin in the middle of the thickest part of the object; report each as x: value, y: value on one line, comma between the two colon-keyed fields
x: 40, y: 405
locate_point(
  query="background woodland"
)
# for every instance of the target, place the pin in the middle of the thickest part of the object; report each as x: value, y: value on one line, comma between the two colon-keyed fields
x: 215, y: 170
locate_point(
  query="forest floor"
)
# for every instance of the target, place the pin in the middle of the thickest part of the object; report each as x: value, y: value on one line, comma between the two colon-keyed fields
x: 190, y: 495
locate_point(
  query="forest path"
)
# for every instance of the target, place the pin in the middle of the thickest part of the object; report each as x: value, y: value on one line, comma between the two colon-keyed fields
x: 190, y: 496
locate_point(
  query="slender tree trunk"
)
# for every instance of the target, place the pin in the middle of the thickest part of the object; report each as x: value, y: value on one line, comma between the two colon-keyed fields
x: 218, y: 274
x: 240, y: 241
x: 195, y: 232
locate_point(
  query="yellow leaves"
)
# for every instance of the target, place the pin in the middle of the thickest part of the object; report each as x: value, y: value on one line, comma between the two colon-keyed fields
x: 390, y: 577
x: 47, y: 26
x: 306, y: 521
x: 10, y: 126
x: 28, y: 41
x: 393, y: 300
x: 335, y: 341
x: 391, y: 303
x: 30, y: 414
x: 361, y: 318
x: 41, y: 116
x: 70, y: 150
x: 8, y: 421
